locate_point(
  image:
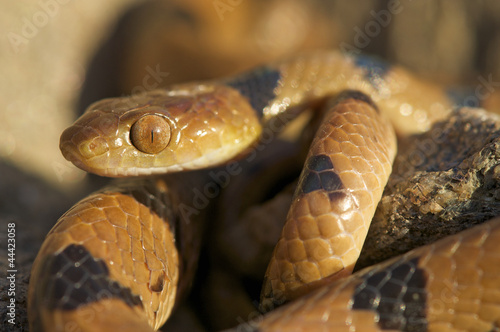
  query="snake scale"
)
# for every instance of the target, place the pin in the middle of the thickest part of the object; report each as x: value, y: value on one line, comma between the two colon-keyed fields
x: 120, y: 258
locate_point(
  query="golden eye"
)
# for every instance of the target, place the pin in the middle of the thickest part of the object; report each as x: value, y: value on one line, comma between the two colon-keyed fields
x: 150, y: 134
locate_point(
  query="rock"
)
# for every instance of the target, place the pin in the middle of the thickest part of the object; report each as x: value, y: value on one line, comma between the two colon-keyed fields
x: 443, y: 181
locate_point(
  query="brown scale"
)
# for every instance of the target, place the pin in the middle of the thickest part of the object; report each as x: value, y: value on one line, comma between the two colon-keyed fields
x: 449, y: 285
x: 123, y: 250
x: 132, y: 240
x: 334, y: 202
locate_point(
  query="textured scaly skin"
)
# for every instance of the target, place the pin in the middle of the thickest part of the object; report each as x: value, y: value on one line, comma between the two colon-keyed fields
x: 211, y: 123
x: 138, y: 251
x: 411, y: 104
x: 345, y: 173
x: 450, y: 285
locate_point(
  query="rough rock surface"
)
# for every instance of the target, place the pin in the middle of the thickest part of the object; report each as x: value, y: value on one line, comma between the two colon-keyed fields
x: 33, y: 207
x: 443, y: 181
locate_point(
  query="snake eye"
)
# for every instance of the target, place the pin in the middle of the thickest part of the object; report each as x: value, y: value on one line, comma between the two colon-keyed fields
x: 150, y: 134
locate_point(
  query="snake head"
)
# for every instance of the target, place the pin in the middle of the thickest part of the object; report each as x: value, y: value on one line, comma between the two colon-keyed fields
x: 187, y: 127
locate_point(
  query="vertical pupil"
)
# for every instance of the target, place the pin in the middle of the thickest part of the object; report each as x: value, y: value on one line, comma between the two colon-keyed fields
x: 150, y: 134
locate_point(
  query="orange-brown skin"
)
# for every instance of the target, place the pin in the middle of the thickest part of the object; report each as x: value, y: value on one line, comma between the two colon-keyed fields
x: 132, y: 227
x: 462, y: 274
x: 135, y: 243
x: 326, y: 227
x: 206, y: 124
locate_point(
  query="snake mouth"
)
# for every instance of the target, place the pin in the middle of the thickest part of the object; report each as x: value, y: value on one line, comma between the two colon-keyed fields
x: 71, y: 154
x: 74, y: 159
x: 84, y: 150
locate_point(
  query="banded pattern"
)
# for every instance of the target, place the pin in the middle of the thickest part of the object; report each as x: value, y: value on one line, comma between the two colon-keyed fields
x: 76, y: 278
x: 257, y: 86
x: 115, y: 249
x: 138, y: 241
x: 348, y: 165
x: 411, y: 104
x: 450, y: 285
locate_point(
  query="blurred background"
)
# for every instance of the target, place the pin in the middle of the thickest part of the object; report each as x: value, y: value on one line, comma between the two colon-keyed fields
x: 58, y: 56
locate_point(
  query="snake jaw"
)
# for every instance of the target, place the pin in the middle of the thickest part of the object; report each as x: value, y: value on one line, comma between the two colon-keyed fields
x: 77, y: 151
x: 67, y: 151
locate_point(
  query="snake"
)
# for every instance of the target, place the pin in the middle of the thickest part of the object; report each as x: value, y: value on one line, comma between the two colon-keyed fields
x: 123, y: 257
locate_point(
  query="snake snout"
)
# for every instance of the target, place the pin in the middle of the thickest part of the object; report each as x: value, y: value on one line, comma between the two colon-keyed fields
x: 69, y: 154
x: 82, y: 146
x: 93, y: 148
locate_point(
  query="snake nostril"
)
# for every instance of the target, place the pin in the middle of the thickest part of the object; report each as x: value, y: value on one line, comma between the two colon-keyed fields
x: 94, y: 147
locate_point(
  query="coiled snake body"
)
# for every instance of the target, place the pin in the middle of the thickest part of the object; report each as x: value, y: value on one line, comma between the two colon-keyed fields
x: 119, y: 258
